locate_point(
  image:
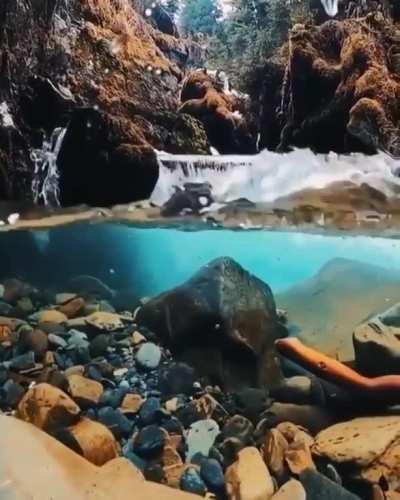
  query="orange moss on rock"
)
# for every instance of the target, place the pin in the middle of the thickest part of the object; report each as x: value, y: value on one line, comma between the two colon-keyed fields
x: 203, y: 98
x: 341, y: 91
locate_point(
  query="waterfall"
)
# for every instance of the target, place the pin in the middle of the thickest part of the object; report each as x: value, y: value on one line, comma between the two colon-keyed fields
x: 45, y: 187
x: 267, y: 176
x: 331, y: 7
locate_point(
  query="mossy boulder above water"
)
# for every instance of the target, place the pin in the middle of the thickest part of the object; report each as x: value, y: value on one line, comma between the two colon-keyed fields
x: 223, y: 320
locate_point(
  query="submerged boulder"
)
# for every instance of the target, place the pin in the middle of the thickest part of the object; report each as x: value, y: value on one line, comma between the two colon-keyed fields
x: 377, y: 345
x: 223, y: 321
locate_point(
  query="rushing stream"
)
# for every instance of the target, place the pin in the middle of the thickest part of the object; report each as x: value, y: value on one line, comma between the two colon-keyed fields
x: 269, y: 176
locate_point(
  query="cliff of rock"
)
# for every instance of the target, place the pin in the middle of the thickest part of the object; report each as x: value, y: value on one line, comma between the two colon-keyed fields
x: 100, y: 66
x: 336, y: 87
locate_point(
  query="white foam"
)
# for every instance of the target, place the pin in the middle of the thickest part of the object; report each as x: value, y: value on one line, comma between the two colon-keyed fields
x: 268, y: 176
x: 331, y: 7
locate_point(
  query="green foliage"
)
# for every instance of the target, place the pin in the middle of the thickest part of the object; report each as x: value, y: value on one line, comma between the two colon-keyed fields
x: 250, y: 34
x: 200, y: 16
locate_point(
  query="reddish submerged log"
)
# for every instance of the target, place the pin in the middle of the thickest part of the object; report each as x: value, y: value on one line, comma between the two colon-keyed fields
x: 385, y: 389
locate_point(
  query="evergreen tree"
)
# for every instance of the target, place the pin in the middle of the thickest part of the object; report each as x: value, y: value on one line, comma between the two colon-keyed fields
x: 200, y: 16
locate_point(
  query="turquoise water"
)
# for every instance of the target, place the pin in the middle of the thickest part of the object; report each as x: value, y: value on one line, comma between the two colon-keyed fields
x: 168, y: 257
x: 153, y: 260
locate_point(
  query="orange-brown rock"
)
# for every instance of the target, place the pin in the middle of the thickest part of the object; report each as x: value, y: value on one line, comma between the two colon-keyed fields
x: 274, y: 449
x: 298, y: 458
x: 174, y: 473
x: 292, y: 490
x: 170, y: 457
x: 356, y: 89
x: 84, y: 390
x: 131, y: 403
x: 295, y: 433
x: 128, y: 90
x: 105, y: 321
x: 203, y: 98
x: 49, y: 358
x: 248, y: 478
x: 51, y: 316
x: 97, y: 443
x: 72, y: 308
x: 35, y: 465
x: 35, y: 340
x: 5, y: 335
x: 47, y: 407
x: 386, y: 467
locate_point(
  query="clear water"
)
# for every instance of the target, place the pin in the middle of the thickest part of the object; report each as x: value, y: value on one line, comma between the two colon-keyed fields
x: 327, y: 284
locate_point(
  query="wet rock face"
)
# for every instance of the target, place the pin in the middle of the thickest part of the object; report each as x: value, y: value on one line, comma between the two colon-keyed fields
x: 103, y: 72
x: 355, y: 90
x: 223, y: 321
x: 204, y: 98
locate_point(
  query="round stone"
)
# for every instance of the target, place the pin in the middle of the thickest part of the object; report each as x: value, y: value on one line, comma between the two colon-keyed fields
x: 148, y: 356
x: 149, y: 442
x: 212, y: 474
x: 148, y: 411
x: 192, y: 483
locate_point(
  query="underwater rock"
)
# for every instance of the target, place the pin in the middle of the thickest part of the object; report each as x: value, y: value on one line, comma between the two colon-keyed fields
x: 201, y: 437
x: 105, y: 321
x: 311, y: 417
x: 292, y: 490
x: 248, y: 478
x: 273, y: 450
x: 359, y: 441
x: 386, y: 468
x: 149, y: 442
x: 34, y: 340
x: 357, y: 289
x: 223, y: 321
x: 377, y: 345
x: 47, y: 407
x: 298, y: 458
x: 192, y: 482
x: 72, y: 308
x: 131, y: 404
x: 58, y: 472
x: 97, y: 444
x: 176, y: 378
x: 299, y: 390
x: 50, y: 316
x: 84, y: 391
x: 319, y: 487
x: 148, y: 356
x: 212, y: 474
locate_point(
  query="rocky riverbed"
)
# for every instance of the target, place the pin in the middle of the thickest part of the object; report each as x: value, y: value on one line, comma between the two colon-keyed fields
x: 185, y: 390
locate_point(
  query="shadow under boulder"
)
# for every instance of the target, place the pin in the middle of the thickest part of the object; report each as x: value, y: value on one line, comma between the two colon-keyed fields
x: 223, y: 321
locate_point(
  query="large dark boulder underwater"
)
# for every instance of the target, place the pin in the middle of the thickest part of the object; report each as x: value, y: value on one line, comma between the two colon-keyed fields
x: 223, y: 320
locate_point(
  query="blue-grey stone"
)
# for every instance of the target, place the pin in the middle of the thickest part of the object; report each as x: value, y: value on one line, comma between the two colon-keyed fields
x: 192, y: 483
x: 212, y: 474
x: 148, y: 410
x: 149, y: 442
x: 148, y: 356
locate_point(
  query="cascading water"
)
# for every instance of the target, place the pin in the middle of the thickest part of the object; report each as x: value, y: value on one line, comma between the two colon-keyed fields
x: 269, y: 176
x: 331, y: 7
x: 45, y: 188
